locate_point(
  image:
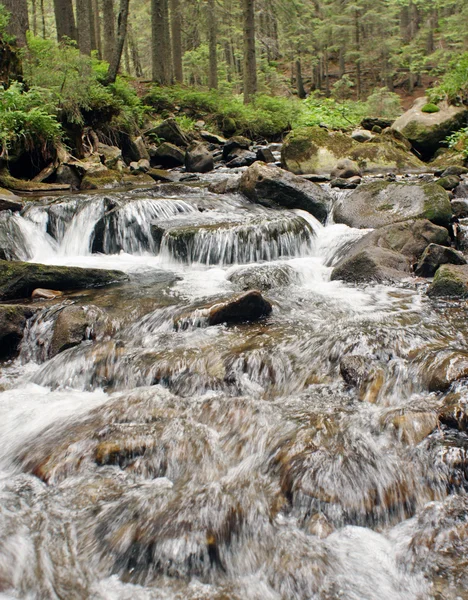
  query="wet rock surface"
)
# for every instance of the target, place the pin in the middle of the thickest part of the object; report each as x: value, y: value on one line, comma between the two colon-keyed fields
x: 450, y: 281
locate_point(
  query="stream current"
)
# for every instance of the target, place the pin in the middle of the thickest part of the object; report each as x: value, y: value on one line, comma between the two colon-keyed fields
x: 229, y: 462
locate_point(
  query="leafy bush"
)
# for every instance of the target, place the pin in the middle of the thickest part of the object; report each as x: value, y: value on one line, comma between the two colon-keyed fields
x: 383, y: 103
x: 266, y: 117
x: 459, y: 141
x: 75, y: 83
x: 454, y: 84
x: 27, y: 120
x: 430, y: 108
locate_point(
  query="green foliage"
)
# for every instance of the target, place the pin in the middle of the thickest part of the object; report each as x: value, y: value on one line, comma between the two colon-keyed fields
x: 454, y: 84
x: 266, y: 116
x: 459, y: 141
x: 383, y: 103
x: 4, y: 21
x: 27, y: 120
x: 75, y: 82
x: 430, y: 108
x: 332, y: 114
x: 343, y: 89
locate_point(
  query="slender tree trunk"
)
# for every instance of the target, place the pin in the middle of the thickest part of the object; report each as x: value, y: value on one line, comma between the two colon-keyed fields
x: 299, y: 81
x: 34, y: 16
x: 250, y: 62
x: 126, y: 54
x: 44, y: 34
x: 176, y: 31
x: 167, y: 43
x: 161, y: 55
x: 213, y: 45
x: 134, y: 52
x: 96, y: 21
x: 83, y: 18
x: 108, y: 17
x: 64, y: 19
x: 122, y: 22
x: 357, y: 41
x: 19, y: 19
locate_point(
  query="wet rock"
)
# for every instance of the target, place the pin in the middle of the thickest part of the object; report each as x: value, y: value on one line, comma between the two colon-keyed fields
x: 19, y: 279
x: 364, y: 374
x: 272, y: 186
x: 319, y: 526
x: 142, y: 166
x: 163, y: 176
x: 345, y: 184
x: 455, y: 170
x: 450, y: 281
x: 9, y: 201
x: 212, y: 138
x: 317, y: 150
x: 241, y: 158
x: 13, y: 244
x: 460, y: 207
x: 426, y: 131
x: 454, y: 412
x: 137, y: 149
x: 234, y: 143
x: 387, y: 253
x: 169, y: 155
x: 111, y: 156
x: 265, y: 155
x: 361, y: 135
x: 13, y: 320
x: 70, y: 329
x: 198, y: 159
x: 43, y: 294
x: 68, y: 174
x: 412, y: 427
x: 169, y: 131
x: 263, y: 277
x: 345, y: 169
x: 243, y: 308
x: 461, y: 191
x: 230, y: 185
x: 447, y: 370
x: 434, y: 256
x: 370, y: 123
x: 102, y: 179
x: 380, y: 203
x: 449, y: 182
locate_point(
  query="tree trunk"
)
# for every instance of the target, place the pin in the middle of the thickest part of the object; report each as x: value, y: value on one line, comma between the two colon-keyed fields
x: 176, y: 30
x: 161, y: 54
x: 357, y: 41
x: 44, y: 35
x: 83, y: 18
x: 167, y: 43
x: 134, y: 52
x: 108, y: 17
x: 213, y: 46
x: 64, y: 19
x: 97, y: 27
x: 250, y: 62
x: 34, y: 16
x: 299, y: 81
x: 122, y: 21
x: 19, y: 19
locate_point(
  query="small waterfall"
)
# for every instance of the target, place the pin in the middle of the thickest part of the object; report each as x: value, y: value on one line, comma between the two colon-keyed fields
x: 228, y: 244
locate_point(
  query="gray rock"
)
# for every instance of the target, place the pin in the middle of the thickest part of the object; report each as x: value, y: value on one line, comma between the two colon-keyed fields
x: 241, y: 158
x: 449, y: 182
x: 169, y: 131
x: 212, y: 138
x: 272, y: 186
x: 460, y: 207
x: 225, y: 186
x: 19, y: 279
x: 263, y: 277
x: 198, y: 159
x: 345, y: 184
x: 372, y: 264
x: 138, y: 149
x: 70, y: 329
x: 454, y: 170
x: 346, y: 168
x: 13, y: 320
x: 168, y: 155
x: 265, y: 155
x: 434, y: 256
x: 110, y: 155
x: 234, y: 143
x: 362, y: 135
x: 381, y: 203
x: 70, y: 175
x: 9, y: 201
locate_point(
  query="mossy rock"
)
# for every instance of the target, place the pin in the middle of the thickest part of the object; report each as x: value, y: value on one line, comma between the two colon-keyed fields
x: 449, y: 182
x: 426, y: 130
x: 317, y: 150
x: 20, y: 279
x: 450, y: 281
x: 381, y: 203
x: 105, y: 179
x: 18, y: 185
x: 445, y: 158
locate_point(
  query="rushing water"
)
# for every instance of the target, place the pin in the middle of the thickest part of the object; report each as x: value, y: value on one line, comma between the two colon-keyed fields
x: 211, y: 463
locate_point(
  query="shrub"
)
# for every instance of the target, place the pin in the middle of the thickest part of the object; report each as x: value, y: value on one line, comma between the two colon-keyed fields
x: 383, y: 103
x: 454, y: 84
x: 329, y: 112
x: 459, y: 141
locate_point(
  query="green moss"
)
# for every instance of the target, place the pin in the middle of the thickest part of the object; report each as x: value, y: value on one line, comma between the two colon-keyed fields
x: 449, y: 282
x: 437, y: 207
x: 385, y: 207
x: 430, y: 108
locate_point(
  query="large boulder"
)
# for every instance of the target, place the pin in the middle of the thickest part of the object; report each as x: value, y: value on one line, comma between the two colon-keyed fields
x: 9, y: 201
x: 70, y: 328
x: 427, y: 130
x: 388, y: 253
x: 434, y: 256
x: 380, y: 203
x: 169, y: 131
x: 450, y: 281
x: 198, y: 159
x: 272, y: 186
x: 13, y: 320
x: 20, y: 279
x: 168, y: 155
x: 317, y: 150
